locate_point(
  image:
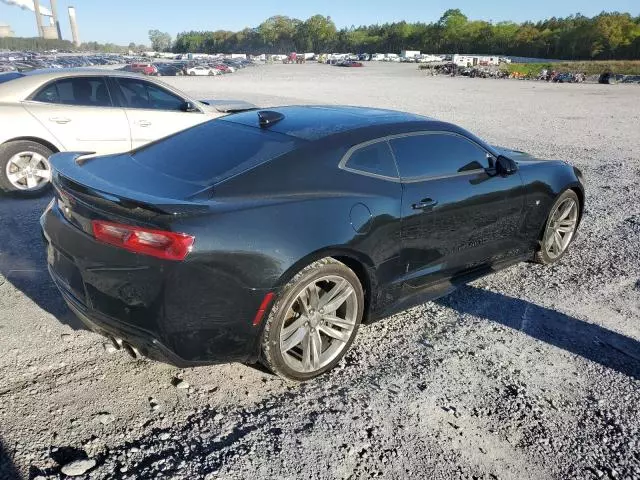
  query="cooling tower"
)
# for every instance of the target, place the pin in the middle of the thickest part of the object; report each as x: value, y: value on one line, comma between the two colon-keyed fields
x: 74, y: 26
x: 54, y: 15
x: 36, y: 8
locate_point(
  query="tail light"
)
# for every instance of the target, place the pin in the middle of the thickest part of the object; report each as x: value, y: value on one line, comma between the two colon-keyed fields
x: 156, y: 243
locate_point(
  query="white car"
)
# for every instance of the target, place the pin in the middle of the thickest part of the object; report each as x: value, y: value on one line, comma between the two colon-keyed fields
x: 87, y: 110
x: 202, y: 70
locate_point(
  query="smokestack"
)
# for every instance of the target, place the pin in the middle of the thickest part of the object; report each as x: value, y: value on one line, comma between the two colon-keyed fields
x: 54, y: 17
x: 74, y: 26
x: 36, y: 8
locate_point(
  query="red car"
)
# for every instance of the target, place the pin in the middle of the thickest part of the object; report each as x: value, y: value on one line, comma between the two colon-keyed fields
x: 222, y: 67
x: 145, y: 68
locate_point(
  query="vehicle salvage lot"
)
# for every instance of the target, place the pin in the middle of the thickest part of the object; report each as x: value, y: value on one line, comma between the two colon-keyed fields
x: 531, y: 373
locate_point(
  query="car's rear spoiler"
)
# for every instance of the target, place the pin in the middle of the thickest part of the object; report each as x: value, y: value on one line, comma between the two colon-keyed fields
x: 68, y: 173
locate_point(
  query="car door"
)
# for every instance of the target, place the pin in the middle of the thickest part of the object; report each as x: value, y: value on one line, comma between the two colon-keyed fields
x: 154, y: 112
x: 457, y: 213
x: 80, y: 114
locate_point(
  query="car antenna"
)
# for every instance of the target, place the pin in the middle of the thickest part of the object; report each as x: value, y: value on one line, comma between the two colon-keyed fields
x: 266, y: 118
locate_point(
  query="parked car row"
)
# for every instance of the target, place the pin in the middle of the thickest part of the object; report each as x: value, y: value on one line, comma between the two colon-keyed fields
x: 27, y: 61
x: 208, y: 67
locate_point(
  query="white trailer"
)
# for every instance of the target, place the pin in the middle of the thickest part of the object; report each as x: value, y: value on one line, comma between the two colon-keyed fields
x: 409, y: 53
x: 475, y: 60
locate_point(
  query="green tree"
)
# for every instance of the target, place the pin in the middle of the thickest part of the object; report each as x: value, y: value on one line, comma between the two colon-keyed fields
x: 160, y: 41
x: 608, y: 35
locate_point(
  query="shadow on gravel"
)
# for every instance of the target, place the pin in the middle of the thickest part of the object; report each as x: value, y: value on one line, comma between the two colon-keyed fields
x: 8, y: 470
x: 23, y: 260
x: 588, y: 340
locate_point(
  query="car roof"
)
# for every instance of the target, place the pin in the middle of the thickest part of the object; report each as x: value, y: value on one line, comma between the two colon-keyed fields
x: 20, y: 88
x: 313, y: 122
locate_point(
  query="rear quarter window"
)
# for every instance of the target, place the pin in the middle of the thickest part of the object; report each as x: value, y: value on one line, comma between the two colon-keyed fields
x: 375, y: 159
x: 214, y: 151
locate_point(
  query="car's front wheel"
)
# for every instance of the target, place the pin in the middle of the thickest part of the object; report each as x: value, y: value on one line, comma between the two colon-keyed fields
x: 314, y: 321
x: 24, y: 167
x: 560, y: 228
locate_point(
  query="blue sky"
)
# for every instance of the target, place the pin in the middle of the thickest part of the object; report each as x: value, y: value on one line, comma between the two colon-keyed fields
x: 123, y: 21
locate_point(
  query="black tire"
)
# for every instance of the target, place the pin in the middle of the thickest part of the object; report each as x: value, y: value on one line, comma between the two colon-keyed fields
x: 8, y: 150
x: 541, y: 255
x: 272, y: 357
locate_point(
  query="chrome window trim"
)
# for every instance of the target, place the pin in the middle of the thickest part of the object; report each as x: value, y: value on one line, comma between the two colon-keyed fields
x: 345, y: 158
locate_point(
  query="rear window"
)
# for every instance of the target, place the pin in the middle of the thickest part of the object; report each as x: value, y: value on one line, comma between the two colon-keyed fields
x: 211, y: 152
x: 5, y: 77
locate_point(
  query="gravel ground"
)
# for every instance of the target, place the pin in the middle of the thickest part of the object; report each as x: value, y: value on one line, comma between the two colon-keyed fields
x: 531, y: 373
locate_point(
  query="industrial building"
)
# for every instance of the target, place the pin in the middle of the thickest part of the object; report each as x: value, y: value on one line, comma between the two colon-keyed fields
x: 5, y: 31
x: 50, y: 28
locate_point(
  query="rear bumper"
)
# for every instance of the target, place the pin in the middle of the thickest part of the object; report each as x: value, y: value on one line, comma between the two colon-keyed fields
x: 184, y: 313
x: 145, y: 342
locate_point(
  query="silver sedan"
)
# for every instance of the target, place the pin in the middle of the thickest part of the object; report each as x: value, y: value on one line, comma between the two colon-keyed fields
x: 89, y: 110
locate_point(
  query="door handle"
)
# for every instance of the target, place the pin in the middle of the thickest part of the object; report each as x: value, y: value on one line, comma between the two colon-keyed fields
x: 144, y: 123
x: 60, y: 120
x: 424, y: 204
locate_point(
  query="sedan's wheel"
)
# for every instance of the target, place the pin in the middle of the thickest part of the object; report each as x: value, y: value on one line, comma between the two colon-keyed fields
x: 560, y: 228
x: 24, y: 167
x: 314, y: 322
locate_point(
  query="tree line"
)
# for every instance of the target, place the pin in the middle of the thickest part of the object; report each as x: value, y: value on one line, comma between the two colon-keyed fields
x: 38, y: 44
x: 609, y: 35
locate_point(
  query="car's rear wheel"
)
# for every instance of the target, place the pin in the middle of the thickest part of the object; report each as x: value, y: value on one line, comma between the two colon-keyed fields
x: 24, y: 167
x: 560, y: 228
x: 314, y: 321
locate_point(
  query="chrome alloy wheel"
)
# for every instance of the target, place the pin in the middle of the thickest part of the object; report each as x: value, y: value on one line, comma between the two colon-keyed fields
x: 28, y: 171
x: 561, y: 228
x: 319, y: 323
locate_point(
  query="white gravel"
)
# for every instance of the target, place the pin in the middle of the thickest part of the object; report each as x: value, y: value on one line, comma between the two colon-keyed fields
x: 531, y: 373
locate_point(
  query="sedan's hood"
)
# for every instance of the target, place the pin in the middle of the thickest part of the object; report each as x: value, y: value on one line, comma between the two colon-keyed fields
x: 227, y: 106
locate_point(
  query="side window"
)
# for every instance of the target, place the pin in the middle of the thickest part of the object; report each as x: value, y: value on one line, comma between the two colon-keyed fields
x: 375, y: 158
x: 48, y: 94
x: 434, y: 155
x: 82, y: 91
x: 140, y: 94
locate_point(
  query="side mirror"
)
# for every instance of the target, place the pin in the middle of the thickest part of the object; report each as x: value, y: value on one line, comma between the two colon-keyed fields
x: 505, y: 166
x: 188, y: 107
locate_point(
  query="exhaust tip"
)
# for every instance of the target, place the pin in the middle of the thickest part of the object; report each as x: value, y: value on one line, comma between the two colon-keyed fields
x: 131, y: 350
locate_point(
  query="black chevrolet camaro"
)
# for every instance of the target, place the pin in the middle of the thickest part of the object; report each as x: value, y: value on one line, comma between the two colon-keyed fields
x: 271, y: 235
